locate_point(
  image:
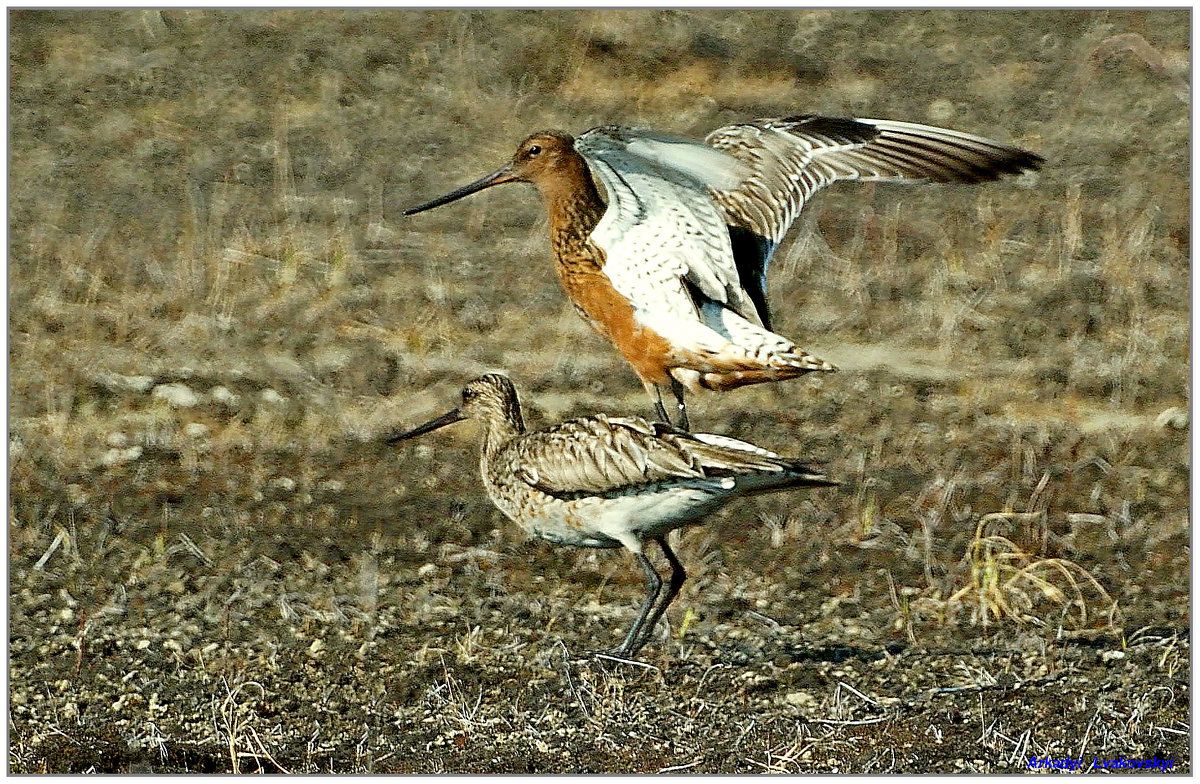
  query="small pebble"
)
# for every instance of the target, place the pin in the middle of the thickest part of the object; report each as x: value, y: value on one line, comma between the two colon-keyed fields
x: 176, y: 395
x: 224, y: 396
x: 114, y: 457
x: 1175, y: 417
x: 285, y: 483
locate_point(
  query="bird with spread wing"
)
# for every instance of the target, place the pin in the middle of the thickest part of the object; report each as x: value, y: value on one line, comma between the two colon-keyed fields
x: 670, y: 263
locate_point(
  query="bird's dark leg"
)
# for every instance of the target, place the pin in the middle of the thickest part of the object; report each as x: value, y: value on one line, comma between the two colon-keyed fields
x: 678, y: 575
x: 659, y: 409
x: 629, y: 645
x: 677, y: 389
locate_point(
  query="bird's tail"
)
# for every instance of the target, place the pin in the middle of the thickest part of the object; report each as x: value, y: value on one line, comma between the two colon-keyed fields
x: 799, y: 474
x: 753, y: 468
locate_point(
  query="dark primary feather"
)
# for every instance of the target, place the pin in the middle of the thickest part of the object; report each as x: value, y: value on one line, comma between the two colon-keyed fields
x: 749, y: 250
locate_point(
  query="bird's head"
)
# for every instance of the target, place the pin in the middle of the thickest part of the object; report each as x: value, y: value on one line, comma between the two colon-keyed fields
x: 542, y: 158
x: 491, y: 398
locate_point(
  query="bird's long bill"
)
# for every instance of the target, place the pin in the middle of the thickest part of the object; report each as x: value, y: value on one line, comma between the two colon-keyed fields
x: 449, y: 418
x: 497, y: 177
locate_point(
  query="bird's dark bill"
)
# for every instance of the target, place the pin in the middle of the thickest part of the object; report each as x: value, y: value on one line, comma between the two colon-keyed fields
x: 449, y: 418
x: 497, y: 177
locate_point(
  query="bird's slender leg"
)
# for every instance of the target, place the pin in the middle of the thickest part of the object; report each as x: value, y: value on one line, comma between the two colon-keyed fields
x: 678, y: 575
x: 659, y: 409
x: 677, y: 389
x: 628, y: 646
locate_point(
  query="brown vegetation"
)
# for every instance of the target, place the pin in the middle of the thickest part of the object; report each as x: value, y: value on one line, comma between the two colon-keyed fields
x: 215, y: 307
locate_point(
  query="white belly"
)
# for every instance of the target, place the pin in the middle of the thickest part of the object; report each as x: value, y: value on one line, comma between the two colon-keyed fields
x: 615, y: 521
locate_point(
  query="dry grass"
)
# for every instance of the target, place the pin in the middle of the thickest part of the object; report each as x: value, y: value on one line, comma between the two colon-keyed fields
x: 1006, y: 582
x: 214, y: 305
x: 235, y: 723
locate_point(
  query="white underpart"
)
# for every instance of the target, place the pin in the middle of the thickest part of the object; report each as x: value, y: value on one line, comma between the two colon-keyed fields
x: 634, y: 517
x: 630, y: 518
x: 752, y: 338
x: 662, y: 227
x: 639, y: 514
x: 719, y: 332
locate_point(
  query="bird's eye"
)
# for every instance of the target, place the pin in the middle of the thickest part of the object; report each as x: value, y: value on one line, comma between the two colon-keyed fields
x: 469, y: 394
x: 534, y: 150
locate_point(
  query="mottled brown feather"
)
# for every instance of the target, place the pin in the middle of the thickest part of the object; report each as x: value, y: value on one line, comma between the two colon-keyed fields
x: 601, y: 454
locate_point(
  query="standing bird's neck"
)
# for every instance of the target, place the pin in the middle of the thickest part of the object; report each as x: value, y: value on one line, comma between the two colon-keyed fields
x: 499, y: 429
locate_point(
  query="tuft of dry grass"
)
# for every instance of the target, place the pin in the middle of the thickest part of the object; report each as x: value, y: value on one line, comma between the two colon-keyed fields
x: 1004, y: 582
x: 215, y: 303
x: 235, y: 722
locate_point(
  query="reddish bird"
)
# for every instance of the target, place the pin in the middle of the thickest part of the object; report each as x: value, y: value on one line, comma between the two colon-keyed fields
x: 670, y: 265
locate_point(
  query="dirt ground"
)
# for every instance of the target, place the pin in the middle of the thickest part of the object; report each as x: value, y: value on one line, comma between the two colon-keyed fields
x: 216, y: 310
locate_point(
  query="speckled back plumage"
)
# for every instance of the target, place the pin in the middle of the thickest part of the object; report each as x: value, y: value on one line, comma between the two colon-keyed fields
x: 569, y: 471
x: 602, y: 454
x: 605, y: 482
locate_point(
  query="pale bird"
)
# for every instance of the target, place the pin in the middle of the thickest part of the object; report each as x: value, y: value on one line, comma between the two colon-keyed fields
x: 603, y: 481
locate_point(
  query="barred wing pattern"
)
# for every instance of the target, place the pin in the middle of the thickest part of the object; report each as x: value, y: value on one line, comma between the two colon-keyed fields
x: 710, y: 215
x: 601, y: 454
x: 792, y: 158
x: 662, y: 234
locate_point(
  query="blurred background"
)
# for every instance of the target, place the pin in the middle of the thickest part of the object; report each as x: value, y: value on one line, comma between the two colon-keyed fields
x: 215, y: 305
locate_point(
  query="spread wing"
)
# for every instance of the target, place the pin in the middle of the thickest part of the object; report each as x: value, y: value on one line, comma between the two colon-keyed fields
x: 601, y: 454
x: 791, y: 158
x: 664, y: 238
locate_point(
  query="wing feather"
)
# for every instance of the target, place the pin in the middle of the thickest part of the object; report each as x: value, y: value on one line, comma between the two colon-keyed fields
x: 663, y: 236
x: 600, y: 454
x: 792, y: 158
x: 674, y: 204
